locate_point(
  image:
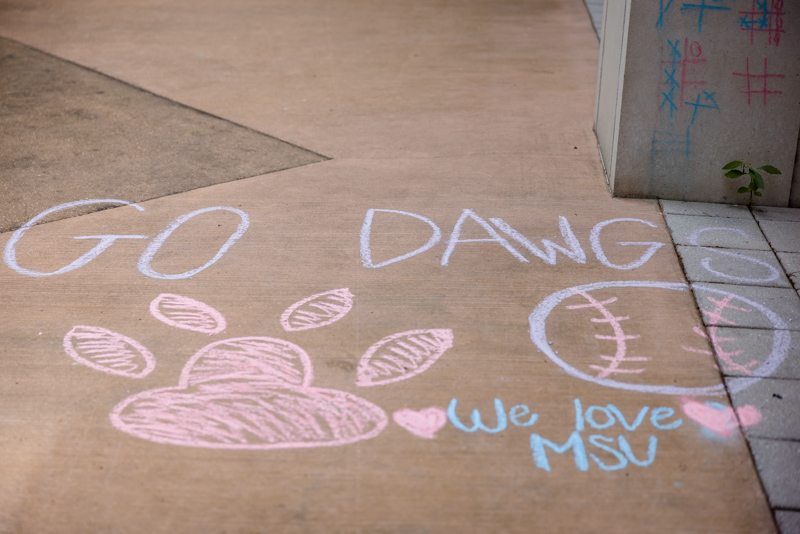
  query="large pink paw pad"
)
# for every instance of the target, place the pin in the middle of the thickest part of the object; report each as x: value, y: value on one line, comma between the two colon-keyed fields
x: 248, y: 393
x: 248, y: 415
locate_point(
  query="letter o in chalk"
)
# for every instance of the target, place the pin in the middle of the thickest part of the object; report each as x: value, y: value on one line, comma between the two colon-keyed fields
x: 149, y: 253
x: 606, y: 413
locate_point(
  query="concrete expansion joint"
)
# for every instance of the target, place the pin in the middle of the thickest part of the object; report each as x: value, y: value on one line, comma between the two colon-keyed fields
x: 758, y: 252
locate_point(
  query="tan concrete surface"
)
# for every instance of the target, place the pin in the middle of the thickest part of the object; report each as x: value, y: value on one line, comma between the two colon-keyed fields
x: 69, y: 133
x: 428, y: 109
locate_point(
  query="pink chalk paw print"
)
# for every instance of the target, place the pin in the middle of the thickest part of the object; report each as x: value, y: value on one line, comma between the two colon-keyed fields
x: 256, y: 392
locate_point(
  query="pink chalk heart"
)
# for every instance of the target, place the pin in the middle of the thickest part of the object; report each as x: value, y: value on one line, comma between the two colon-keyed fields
x: 721, y: 421
x: 748, y: 415
x: 424, y: 423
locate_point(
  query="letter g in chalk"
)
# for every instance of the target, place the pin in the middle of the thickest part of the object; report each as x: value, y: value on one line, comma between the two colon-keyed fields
x: 10, y: 253
x: 594, y: 239
x: 366, y: 229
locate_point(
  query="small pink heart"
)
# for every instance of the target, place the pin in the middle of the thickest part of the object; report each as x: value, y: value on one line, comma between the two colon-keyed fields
x: 748, y: 415
x: 721, y: 421
x: 423, y: 423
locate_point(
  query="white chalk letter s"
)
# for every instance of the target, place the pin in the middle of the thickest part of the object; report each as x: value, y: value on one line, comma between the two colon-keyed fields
x: 594, y: 238
x: 10, y: 253
x: 366, y: 229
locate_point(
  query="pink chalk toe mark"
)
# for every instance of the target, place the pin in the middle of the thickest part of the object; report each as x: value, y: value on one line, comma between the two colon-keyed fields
x: 317, y: 310
x: 423, y: 423
x: 108, y: 351
x: 187, y: 313
x: 402, y: 356
x: 272, y: 361
x: 722, y: 422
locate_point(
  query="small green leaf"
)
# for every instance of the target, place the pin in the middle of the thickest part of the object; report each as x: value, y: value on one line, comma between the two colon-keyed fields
x: 770, y: 169
x: 757, y: 194
x: 732, y: 165
x: 735, y: 173
x: 743, y: 190
x: 759, y: 180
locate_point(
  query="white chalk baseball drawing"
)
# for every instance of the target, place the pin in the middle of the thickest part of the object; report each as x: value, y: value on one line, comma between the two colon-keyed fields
x: 538, y: 332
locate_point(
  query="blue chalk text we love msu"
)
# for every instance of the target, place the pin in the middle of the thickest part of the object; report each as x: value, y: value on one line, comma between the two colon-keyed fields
x: 595, y: 417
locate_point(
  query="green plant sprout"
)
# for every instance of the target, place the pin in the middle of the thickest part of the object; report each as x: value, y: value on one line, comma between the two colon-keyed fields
x: 756, y: 180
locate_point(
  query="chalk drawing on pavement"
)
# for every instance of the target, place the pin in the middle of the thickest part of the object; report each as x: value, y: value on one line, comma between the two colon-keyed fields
x: 714, y: 310
x: 720, y: 419
x: 256, y: 392
x: 249, y: 393
x: 108, y: 351
x: 538, y: 319
x: 615, y: 322
x: 187, y: 314
x: 317, y: 310
x: 402, y: 356
x: 422, y: 423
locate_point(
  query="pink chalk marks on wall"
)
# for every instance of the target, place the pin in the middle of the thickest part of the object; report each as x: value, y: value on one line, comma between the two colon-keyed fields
x: 422, y: 423
x: 108, y: 351
x: 720, y: 419
x: 764, y: 19
x: 757, y: 84
x: 249, y: 393
x: 187, y: 313
x: 317, y: 310
x: 619, y: 337
x: 402, y: 356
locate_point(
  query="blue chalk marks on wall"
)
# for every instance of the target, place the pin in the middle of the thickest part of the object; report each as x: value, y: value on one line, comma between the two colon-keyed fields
x: 707, y: 97
x: 701, y: 9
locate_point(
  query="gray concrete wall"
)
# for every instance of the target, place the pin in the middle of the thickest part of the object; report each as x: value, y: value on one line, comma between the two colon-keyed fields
x: 700, y: 83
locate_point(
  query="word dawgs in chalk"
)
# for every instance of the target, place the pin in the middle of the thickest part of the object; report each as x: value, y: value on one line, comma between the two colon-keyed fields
x: 547, y: 252
x: 106, y: 240
x: 596, y: 417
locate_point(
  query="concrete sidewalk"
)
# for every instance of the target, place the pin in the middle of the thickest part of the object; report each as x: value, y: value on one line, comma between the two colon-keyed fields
x: 353, y: 267
x: 741, y: 262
